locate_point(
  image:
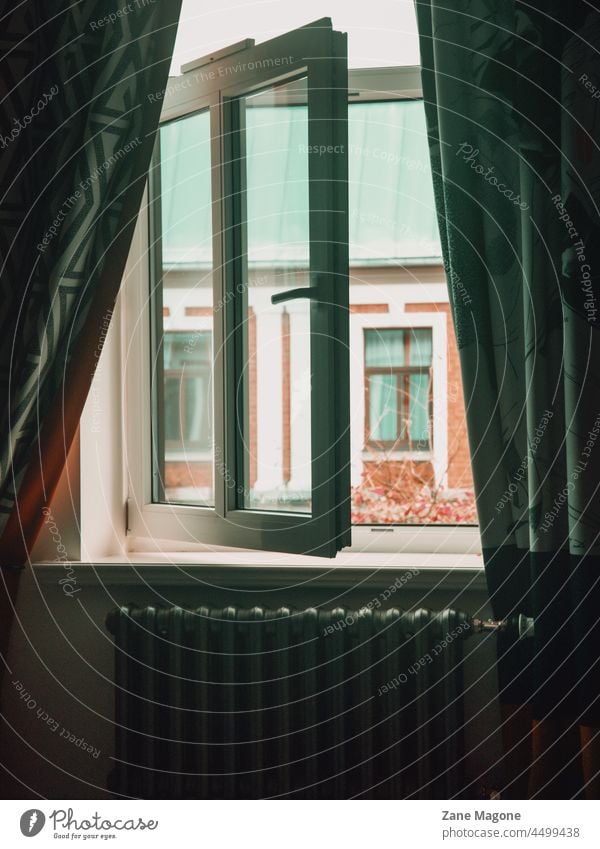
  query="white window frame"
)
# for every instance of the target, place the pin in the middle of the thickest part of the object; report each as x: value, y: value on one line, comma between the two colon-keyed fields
x: 156, y: 528
x: 396, y: 318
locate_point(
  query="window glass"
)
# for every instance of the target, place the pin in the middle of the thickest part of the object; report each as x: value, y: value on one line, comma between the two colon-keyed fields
x: 399, y: 449
x: 188, y: 407
x: 418, y: 423
x: 397, y: 364
x: 384, y: 348
x: 248, y: 264
x: 276, y: 381
x: 383, y: 407
x: 421, y: 347
x: 183, y: 255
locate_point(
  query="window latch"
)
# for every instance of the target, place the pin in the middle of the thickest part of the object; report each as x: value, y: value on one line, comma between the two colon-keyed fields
x: 294, y: 294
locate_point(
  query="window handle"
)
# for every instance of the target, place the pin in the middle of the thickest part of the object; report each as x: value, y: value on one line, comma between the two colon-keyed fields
x: 294, y: 294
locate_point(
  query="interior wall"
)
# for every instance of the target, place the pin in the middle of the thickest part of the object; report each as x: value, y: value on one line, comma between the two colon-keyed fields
x: 59, y: 690
x: 50, y: 649
x: 105, y: 492
x: 56, y: 738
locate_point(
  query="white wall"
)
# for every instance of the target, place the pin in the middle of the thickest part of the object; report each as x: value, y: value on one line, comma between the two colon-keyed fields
x: 62, y: 655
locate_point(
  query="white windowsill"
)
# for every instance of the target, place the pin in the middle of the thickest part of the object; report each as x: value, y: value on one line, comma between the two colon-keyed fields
x: 423, y: 456
x: 259, y: 570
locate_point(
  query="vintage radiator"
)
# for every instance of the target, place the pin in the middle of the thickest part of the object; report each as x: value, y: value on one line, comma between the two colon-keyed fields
x: 254, y: 703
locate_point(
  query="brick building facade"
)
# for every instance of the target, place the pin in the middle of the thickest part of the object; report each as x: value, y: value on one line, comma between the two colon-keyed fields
x: 385, y: 298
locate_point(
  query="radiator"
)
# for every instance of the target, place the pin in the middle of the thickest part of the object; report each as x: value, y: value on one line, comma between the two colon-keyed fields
x: 265, y: 703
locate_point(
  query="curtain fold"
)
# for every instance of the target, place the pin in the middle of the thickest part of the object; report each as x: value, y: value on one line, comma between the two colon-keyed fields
x: 75, y: 145
x: 512, y: 94
x: 77, y: 81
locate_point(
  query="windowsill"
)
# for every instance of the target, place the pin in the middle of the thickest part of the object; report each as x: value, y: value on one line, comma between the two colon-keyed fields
x: 400, y: 454
x: 261, y: 570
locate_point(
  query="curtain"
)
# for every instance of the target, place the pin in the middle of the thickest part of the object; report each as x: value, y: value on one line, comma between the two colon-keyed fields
x: 512, y: 100
x: 383, y: 409
x: 76, y: 139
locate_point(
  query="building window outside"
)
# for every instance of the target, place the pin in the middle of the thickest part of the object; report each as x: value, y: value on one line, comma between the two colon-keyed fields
x: 398, y: 389
x: 188, y: 411
x: 188, y: 418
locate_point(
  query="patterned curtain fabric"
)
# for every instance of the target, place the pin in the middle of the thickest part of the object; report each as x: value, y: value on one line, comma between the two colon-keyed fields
x: 512, y: 96
x: 76, y: 137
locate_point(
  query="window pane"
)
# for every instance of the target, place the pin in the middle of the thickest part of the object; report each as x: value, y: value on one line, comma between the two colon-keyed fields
x: 421, y: 347
x: 396, y: 271
x: 197, y: 425
x: 392, y: 209
x: 383, y: 409
x: 276, y: 386
x: 172, y: 417
x: 188, y: 407
x: 185, y: 442
x: 395, y: 250
x: 182, y: 350
x: 418, y: 411
x: 384, y: 348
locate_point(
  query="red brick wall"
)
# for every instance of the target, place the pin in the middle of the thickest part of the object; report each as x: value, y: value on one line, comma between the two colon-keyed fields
x: 185, y: 473
x: 459, y: 466
x: 194, y: 311
x: 369, y: 308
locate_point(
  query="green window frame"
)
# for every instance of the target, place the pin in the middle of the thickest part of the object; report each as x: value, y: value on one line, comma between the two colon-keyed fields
x: 318, y: 55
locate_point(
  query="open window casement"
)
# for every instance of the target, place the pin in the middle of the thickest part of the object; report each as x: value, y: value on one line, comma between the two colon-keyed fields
x: 251, y: 390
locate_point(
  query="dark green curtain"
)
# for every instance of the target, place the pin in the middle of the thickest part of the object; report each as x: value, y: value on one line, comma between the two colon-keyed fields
x: 81, y: 84
x: 77, y: 130
x: 512, y: 98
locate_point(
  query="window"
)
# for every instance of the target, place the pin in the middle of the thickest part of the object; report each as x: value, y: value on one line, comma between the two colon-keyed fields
x: 183, y: 410
x: 249, y: 251
x: 239, y: 242
x: 188, y: 392
x: 398, y: 384
x: 188, y: 417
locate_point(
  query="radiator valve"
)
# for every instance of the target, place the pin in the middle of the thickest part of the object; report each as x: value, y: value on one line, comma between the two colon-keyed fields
x: 521, y: 624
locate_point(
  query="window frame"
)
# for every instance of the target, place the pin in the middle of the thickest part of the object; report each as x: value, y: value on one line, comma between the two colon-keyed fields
x: 151, y: 528
x: 322, y: 61
x: 403, y: 373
